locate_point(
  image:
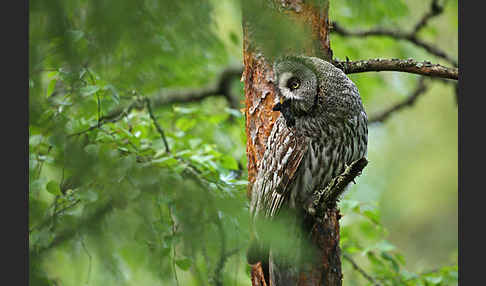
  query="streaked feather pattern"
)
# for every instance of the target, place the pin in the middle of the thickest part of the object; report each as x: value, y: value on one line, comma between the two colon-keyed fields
x: 322, y: 129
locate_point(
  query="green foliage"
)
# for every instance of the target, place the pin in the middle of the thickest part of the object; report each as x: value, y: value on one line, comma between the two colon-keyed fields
x: 108, y: 203
x: 364, y: 240
x: 369, y: 13
x: 110, y: 191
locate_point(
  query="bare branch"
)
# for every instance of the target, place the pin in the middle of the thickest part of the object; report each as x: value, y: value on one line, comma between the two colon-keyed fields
x: 222, y: 85
x: 328, y: 197
x: 220, y: 88
x: 360, y: 270
x: 435, y: 10
x: 157, y: 126
x: 409, y: 65
x: 431, y: 49
x: 397, y: 35
x: 52, y: 217
x: 69, y: 233
x: 89, y: 257
x: 419, y: 90
x: 224, y: 255
x: 111, y: 118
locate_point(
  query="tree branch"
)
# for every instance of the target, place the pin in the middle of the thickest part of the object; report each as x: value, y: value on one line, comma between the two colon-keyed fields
x: 223, y: 84
x: 328, y: 197
x: 360, y: 270
x: 69, y: 233
x: 435, y: 10
x: 157, y: 126
x: 53, y: 216
x: 412, y: 37
x: 409, y: 65
x: 221, y: 87
x: 382, y: 116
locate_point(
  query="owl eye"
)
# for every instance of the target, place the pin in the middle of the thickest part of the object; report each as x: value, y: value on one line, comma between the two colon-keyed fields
x: 293, y: 83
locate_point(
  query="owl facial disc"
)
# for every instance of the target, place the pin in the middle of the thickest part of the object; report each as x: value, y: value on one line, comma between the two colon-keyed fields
x: 285, y: 107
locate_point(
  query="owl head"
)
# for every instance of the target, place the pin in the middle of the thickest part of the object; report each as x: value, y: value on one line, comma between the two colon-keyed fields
x: 308, y: 85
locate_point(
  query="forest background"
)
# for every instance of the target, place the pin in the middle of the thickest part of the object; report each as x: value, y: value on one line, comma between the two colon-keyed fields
x: 137, y: 160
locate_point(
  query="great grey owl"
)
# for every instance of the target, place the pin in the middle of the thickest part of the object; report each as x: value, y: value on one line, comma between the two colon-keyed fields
x: 322, y: 128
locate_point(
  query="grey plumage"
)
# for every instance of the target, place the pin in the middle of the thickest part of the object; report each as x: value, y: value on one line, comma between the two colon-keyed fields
x: 321, y: 129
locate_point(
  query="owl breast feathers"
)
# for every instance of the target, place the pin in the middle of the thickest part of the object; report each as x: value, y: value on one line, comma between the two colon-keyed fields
x: 321, y: 129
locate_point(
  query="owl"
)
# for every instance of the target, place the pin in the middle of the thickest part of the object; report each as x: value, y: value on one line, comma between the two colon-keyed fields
x: 322, y: 128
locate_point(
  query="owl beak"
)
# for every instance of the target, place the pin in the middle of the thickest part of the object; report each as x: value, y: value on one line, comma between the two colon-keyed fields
x: 278, y: 106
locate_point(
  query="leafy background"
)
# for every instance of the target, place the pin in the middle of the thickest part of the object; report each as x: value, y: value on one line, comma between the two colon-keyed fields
x: 108, y: 205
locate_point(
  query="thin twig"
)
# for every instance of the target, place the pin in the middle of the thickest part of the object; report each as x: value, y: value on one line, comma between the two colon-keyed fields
x: 174, y: 230
x: 360, y: 270
x: 409, y: 101
x: 157, y: 126
x: 222, y: 259
x: 398, y: 35
x: 224, y: 254
x: 56, y: 213
x: 412, y: 37
x: 99, y: 108
x: 69, y: 233
x: 39, y: 168
x: 432, y: 271
x: 435, y: 10
x: 100, y: 123
x: 221, y: 87
x: 89, y: 257
x: 161, y: 219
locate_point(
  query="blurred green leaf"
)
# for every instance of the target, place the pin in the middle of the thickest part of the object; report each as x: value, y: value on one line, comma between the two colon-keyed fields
x: 229, y: 162
x: 88, y: 195
x: 434, y: 280
x: 50, y: 87
x: 184, y: 263
x: 385, y: 246
x: 53, y: 188
x: 89, y: 90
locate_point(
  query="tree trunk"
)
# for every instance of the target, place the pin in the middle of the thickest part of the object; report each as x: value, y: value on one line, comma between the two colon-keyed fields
x: 259, y: 98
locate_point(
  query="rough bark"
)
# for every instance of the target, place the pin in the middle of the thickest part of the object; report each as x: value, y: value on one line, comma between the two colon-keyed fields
x: 259, y: 96
x: 409, y: 65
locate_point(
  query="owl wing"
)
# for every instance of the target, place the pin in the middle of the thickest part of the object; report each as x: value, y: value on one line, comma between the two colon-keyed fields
x: 277, y: 170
